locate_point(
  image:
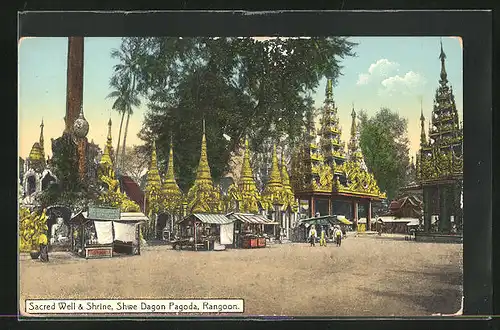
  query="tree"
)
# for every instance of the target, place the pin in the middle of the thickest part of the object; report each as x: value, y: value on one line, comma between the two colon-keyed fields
x: 124, y: 83
x: 385, y: 146
x: 241, y: 86
x: 134, y: 164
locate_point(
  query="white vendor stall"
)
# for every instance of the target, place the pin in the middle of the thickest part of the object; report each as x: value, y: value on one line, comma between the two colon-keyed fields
x: 102, y: 232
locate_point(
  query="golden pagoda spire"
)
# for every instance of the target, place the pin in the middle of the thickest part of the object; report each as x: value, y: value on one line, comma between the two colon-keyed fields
x: 273, y: 191
x: 423, y: 138
x: 203, y: 172
x: 329, y: 90
x: 442, y: 57
x: 171, y: 191
x: 153, y: 176
x: 250, y: 197
x: 108, y: 149
x: 203, y: 197
x: 288, y: 195
x: 42, y: 143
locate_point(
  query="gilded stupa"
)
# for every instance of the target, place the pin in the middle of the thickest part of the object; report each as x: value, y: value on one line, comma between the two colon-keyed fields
x: 203, y: 196
x: 36, y: 158
x: 153, y: 179
x: 273, y: 190
x: 106, y: 163
x: 250, y: 199
x: 171, y: 191
x: 289, y: 201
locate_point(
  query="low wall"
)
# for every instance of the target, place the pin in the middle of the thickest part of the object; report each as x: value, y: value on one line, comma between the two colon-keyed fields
x: 438, y: 238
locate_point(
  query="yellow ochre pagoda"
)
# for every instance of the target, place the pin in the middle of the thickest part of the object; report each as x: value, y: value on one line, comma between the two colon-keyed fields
x: 171, y: 191
x: 36, y: 157
x: 289, y: 201
x: 203, y: 196
x: 273, y: 191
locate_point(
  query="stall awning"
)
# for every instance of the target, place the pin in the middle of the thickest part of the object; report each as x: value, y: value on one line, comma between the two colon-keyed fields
x: 257, y: 219
x: 207, y: 218
x: 389, y: 219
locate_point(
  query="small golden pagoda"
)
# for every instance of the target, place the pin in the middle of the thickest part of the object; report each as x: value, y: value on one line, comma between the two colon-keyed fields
x: 106, y: 163
x: 112, y: 196
x: 289, y: 201
x: 203, y: 196
x: 250, y: 199
x: 36, y: 158
x: 323, y: 180
x: 171, y: 191
x: 273, y: 191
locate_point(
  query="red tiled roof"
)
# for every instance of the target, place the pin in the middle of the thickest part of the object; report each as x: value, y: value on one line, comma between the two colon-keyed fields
x: 133, y: 191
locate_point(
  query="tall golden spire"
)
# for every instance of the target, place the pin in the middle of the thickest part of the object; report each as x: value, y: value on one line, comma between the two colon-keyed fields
x: 273, y: 191
x: 108, y: 148
x: 171, y: 191
x: 250, y: 197
x: 423, y: 138
x: 203, y: 172
x: 203, y: 197
x: 153, y: 180
x: 288, y: 195
x: 42, y: 143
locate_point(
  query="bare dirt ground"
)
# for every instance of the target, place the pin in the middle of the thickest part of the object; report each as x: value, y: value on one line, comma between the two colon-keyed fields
x: 367, y: 276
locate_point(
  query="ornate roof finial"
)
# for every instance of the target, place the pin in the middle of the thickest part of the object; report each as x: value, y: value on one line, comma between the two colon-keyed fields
x: 153, y: 176
x: 41, y: 140
x: 423, y: 138
x: 273, y: 192
x: 171, y: 191
x: 106, y: 157
x: 442, y: 56
x: 329, y: 89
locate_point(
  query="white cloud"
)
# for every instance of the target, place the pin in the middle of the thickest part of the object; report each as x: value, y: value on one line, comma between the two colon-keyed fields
x: 378, y: 70
x: 410, y: 83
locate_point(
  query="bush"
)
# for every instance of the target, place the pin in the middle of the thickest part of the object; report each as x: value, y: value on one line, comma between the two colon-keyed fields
x: 31, y: 226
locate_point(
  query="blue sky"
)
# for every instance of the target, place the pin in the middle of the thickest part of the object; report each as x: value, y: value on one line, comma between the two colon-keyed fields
x: 393, y: 72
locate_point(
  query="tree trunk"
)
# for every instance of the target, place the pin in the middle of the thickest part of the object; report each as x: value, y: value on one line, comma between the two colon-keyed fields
x: 125, y: 139
x: 119, y: 138
x: 74, y: 84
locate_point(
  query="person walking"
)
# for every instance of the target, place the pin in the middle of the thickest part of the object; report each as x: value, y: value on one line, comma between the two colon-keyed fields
x: 312, y: 236
x: 322, y: 241
x: 338, y: 236
x: 44, y: 248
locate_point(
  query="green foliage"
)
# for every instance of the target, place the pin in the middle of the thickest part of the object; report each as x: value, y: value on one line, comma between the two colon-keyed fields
x: 239, y: 85
x: 384, y: 142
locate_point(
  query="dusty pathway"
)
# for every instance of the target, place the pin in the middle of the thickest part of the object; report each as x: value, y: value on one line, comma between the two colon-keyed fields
x: 367, y: 276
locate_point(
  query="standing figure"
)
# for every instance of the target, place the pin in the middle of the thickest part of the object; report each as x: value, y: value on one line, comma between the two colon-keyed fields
x: 44, y: 248
x: 312, y: 236
x: 338, y: 236
x: 322, y: 241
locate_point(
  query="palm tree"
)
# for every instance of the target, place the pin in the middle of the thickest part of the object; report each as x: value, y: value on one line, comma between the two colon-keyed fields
x: 132, y: 101
x: 123, y: 82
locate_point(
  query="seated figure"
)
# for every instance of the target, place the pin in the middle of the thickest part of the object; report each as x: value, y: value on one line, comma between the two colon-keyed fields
x: 59, y: 232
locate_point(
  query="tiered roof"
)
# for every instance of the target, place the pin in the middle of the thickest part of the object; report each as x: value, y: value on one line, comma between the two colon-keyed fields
x: 250, y: 199
x: 327, y: 170
x: 440, y: 157
x: 331, y: 145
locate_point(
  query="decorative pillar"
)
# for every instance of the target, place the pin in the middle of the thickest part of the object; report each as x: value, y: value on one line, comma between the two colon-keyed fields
x: 369, y: 216
x: 355, y: 215
x: 312, y: 208
x: 330, y: 211
x: 427, y: 209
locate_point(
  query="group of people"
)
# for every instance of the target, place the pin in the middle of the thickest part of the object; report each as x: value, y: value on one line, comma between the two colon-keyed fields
x: 313, y: 234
